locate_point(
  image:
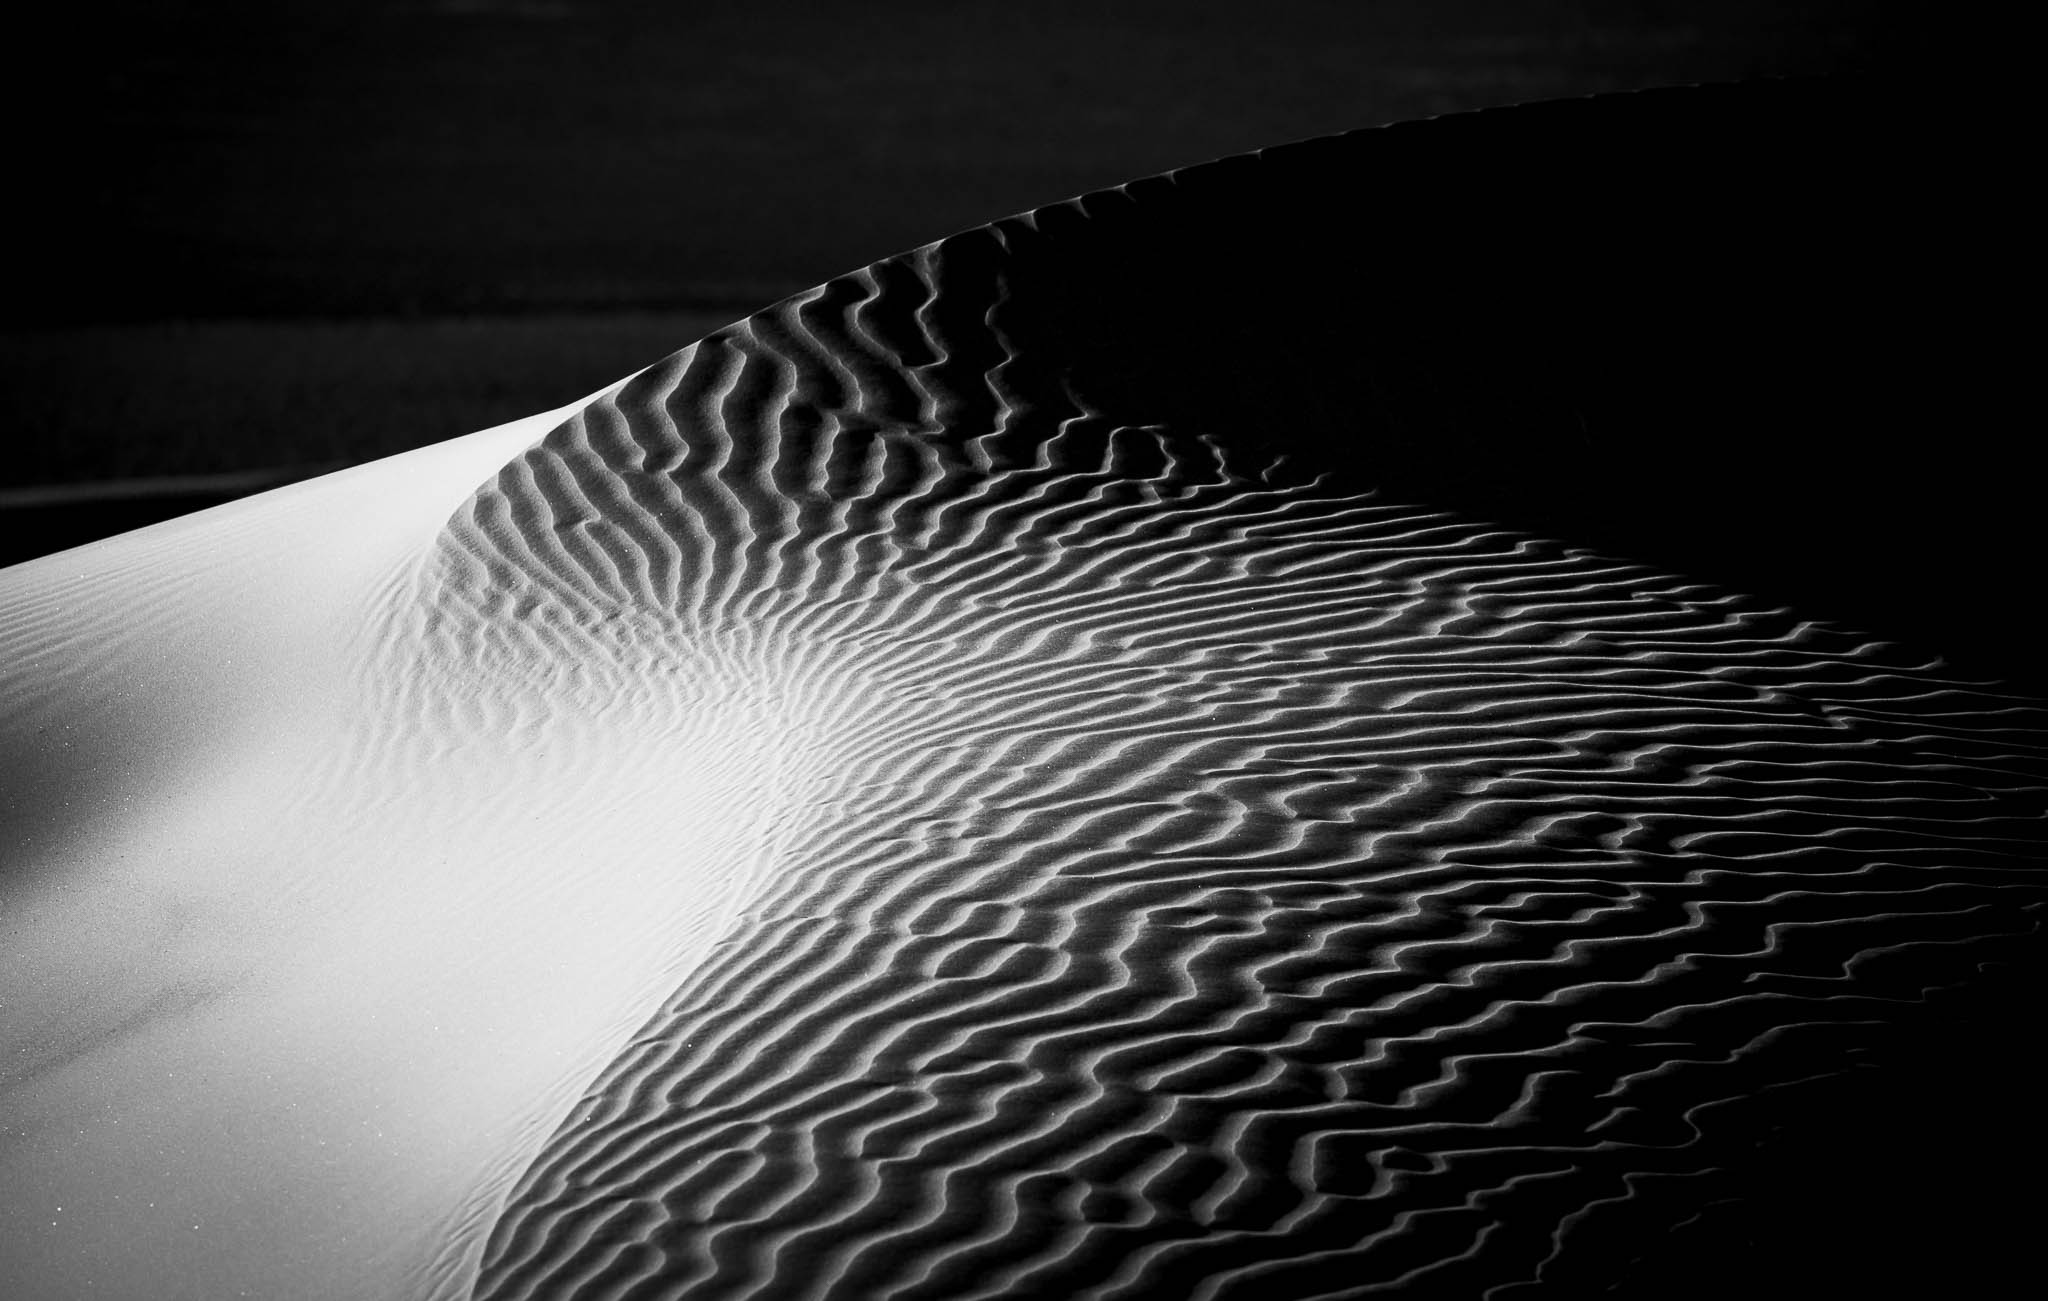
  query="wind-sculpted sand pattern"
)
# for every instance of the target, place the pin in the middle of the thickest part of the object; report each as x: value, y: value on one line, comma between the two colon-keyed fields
x: 1182, y: 867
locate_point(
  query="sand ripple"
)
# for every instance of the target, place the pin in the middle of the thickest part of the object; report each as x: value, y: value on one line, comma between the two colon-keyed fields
x: 1180, y: 864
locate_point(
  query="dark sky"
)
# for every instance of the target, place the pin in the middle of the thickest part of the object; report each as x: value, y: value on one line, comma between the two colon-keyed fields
x: 321, y: 157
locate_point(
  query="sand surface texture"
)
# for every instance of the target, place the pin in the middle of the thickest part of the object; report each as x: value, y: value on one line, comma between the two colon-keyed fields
x: 1019, y: 772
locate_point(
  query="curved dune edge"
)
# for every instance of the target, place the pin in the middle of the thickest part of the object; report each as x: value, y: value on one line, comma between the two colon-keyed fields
x: 220, y: 1070
x: 891, y: 801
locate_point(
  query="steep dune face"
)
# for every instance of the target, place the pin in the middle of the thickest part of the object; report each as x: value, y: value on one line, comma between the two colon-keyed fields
x: 1160, y: 747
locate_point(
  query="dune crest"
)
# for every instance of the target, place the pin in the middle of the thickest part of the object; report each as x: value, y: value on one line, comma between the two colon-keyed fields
x: 1022, y: 771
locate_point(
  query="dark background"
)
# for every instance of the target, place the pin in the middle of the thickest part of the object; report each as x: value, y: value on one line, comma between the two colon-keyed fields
x: 275, y: 236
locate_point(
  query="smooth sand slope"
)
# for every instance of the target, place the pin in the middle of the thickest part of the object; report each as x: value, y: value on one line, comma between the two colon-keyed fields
x: 1029, y: 770
x: 278, y: 982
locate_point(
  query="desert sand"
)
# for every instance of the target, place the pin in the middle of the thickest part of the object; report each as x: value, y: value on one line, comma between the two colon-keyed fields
x: 272, y: 1007
x: 927, y: 792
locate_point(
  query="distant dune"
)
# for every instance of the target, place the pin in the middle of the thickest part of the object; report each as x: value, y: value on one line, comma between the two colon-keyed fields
x: 1148, y: 749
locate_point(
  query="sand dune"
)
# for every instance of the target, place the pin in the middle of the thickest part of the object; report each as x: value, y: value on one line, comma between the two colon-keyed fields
x: 252, y: 1037
x: 920, y: 794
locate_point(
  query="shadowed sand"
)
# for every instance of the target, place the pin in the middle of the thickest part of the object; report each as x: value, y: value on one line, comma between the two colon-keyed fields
x: 1011, y: 774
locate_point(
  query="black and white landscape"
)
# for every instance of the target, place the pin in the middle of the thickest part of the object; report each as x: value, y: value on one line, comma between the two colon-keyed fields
x: 1384, y: 717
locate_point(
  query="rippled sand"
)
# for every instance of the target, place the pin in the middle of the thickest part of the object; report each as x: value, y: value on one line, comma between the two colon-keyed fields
x: 898, y: 800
